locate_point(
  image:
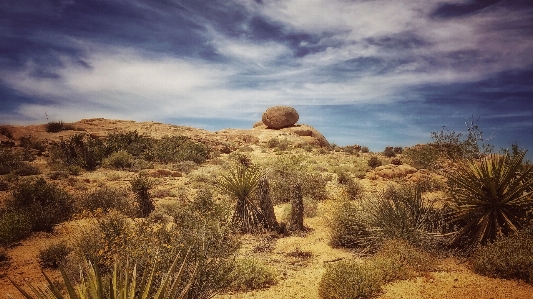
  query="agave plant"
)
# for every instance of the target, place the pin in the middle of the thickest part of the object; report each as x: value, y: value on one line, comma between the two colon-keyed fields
x: 491, y: 197
x: 240, y: 182
x: 122, y: 284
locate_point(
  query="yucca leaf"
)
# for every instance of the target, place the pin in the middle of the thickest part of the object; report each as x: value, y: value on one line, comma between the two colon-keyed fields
x: 24, y: 293
x: 52, y: 287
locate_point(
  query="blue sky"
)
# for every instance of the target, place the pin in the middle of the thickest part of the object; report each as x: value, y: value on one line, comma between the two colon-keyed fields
x: 371, y: 72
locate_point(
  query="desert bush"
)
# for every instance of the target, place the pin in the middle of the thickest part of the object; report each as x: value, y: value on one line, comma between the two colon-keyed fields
x: 280, y: 144
x: 398, y: 149
x: 57, y: 126
x: 374, y: 162
x: 423, y: 156
x: 288, y: 170
x: 106, y: 199
x: 176, y: 149
x: 119, y: 160
x: 141, y: 186
x: 251, y: 274
x: 508, y: 257
x: 400, y: 212
x: 46, y: 203
x: 353, y: 188
x: 28, y: 142
x: 491, y: 198
x: 396, y: 161
x: 25, y: 169
x: 4, y: 186
x: 9, y: 160
x: 389, y: 152
x: 14, y: 226
x: 79, y: 150
x: 53, y: 255
x: 348, y: 227
x: 352, y: 279
x: 365, y: 149
x: 6, y: 132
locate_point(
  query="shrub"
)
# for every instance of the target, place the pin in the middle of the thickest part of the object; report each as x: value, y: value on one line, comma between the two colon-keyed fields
x: 4, y: 186
x: 25, y: 169
x: 53, y: 255
x: 250, y: 274
x: 9, y: 160
x: 106, y: 199
x: 281, y: 144
x: 398, y: 149
x: 352, y: 279
x: 141, y: 186
x: 79, y: 150
x: 14, y: 226
x: 389, y: 152
x: 400, y: 213
x: 28, y: 142
x: 509, y: 257
x: 119, y: 160
x: 46, y: 203
x: 374, y: 162
x: 396, y: 161
x: 423, y: 156
x: 353, y: 188
x: 349, y: 279
x: 6, y: 132
x: 348, y: 227
x: 55, y: 127
x: 365, y: 149
x: 176, y: 149
x: 491, y: 198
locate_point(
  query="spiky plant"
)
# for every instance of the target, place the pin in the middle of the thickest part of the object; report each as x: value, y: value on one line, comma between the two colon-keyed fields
x: 122, y: 284
x: 491, y: 197
x: 239, y: 183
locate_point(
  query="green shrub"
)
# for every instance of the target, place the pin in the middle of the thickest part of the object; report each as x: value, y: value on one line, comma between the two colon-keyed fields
x: 14, y: 226
x: 353, y: 188
x: 374, y: 162
x: 53, y: 255
x: 106, y: 199
x: 46, y: 203
x: 280, y: 144
x: 28, y: 142
x: 348, y: 227
x: 80, y: 150
x: 491, y: 198
x: 176, y: 149
x: 119, y: 160
x: 25, y: 169
x: 251, y: 274
x: 9, y: 160
x: 55, y: 127
x: 349, y: 279
x: 509, y: 257
x: 352, y: 279
x: 389, y: 152
x: 423, y: 156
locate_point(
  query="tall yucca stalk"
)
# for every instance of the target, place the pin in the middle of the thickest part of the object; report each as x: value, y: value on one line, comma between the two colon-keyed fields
x: 123, y: 284
x: 240, y: 182
x: 491, y: 198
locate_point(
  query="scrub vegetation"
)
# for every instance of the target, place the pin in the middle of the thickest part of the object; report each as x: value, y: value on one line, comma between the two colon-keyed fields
x: 159, y: 216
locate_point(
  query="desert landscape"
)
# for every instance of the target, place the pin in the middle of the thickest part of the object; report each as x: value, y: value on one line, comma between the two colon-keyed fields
x: 375, y: 224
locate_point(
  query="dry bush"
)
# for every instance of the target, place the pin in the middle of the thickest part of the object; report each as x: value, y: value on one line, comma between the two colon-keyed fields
x: 251, y: 274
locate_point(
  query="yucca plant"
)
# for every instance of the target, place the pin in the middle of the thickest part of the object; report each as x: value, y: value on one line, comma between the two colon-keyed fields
x: 491, y: 198
x: 122, y: 284
x: 240, y: 182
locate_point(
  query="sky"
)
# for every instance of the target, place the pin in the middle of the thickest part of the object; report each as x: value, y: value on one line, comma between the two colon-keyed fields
x: 370, y: 72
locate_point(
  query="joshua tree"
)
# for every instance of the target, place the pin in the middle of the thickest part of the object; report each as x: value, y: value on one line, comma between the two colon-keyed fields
x: 240, y: 182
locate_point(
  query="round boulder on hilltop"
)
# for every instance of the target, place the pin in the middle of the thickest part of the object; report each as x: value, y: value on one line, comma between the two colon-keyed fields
x: 279, y: 117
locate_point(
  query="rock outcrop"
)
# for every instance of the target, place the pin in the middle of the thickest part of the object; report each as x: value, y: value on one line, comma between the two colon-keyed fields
x: 279, y: 117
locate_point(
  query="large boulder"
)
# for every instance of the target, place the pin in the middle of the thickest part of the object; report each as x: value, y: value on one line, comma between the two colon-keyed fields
x: 279, y: 117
